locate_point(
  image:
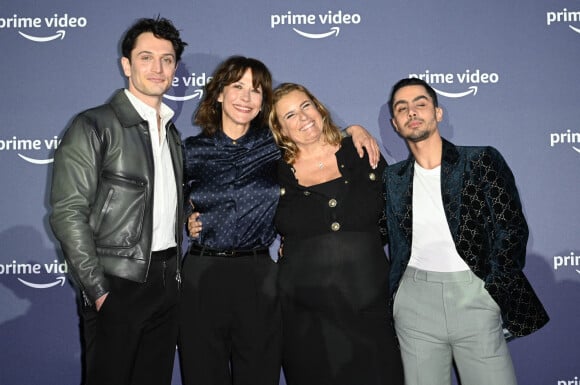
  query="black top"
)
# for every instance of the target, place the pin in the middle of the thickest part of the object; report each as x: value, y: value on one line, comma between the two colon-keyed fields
x: 333, y: 245
x: 354, y: 204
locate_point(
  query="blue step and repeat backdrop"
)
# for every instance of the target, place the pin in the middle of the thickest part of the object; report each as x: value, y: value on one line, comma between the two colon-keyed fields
x: 506, y: 72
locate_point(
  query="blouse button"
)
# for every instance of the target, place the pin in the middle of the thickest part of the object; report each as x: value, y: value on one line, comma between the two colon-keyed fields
x: 335, y: 226
x: 332, y: 203
x: 282, y: 191
x: 306, y: 193
x: 372, y: 176
x: 345, y: 181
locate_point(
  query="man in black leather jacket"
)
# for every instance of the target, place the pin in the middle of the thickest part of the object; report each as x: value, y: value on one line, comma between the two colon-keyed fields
x: 117, y: 211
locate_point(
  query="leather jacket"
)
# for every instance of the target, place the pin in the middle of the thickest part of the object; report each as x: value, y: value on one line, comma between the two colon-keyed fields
x: 102, y: 195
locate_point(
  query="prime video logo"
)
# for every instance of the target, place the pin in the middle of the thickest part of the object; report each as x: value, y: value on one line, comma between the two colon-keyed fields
x: 470, y: 80
x: 568, y: 137
x: 61, y: 22
x: 22, y: 145
x: 571, y: 260
x: 31, y: 270
x: 564, y: 16
x: 301, y: 23
x: 575, y: 381
x: 193, y: 80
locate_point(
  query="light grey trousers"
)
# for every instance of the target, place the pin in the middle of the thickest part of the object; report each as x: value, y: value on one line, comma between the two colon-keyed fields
x: 441, y: 317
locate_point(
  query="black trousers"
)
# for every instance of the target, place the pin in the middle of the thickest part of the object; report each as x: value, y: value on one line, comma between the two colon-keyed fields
x: 230, y: 325
x: 132, y: 339
x: 339, y: 345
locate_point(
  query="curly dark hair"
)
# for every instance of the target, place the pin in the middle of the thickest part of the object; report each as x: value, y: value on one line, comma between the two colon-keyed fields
x: 412, y: 82
x: 160, y: 27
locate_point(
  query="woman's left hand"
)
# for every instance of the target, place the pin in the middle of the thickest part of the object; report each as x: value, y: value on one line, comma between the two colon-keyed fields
x: 194, y: 225
x: 362, y: 139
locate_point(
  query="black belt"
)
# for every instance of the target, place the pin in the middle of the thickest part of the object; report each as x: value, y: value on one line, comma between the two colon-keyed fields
x: 164, y: 255
x: 209, y: 252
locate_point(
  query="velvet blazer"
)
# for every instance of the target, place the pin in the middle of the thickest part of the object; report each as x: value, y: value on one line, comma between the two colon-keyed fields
x: 484, y: 214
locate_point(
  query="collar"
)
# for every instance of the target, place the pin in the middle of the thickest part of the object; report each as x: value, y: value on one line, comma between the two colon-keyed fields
x: 147, y: 112
x: 450, y: 156
x: 247, y: 140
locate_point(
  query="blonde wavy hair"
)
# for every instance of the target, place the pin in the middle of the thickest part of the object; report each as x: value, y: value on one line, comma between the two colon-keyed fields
x: 290, y: 150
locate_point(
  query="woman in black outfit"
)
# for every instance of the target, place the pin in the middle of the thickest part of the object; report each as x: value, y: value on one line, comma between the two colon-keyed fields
x: 333, y: 271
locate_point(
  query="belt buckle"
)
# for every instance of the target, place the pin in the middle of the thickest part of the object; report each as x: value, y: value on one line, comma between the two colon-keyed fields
x: 226, y: 253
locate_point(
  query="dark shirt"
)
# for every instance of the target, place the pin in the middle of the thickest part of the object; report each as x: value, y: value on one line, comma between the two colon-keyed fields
x: 233, y: 184
x: 355, y: 204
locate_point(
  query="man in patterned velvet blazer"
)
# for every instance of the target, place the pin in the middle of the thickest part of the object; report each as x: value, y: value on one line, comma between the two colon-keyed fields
x: 457, y: 242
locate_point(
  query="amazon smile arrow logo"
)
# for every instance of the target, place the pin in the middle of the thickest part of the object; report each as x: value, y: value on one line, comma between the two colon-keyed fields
x: 471, y: 90
x: 36, y: 161
x: 59, y: 34
x: 333, y: 31
x: 195, y: 94
x: 59, y: 281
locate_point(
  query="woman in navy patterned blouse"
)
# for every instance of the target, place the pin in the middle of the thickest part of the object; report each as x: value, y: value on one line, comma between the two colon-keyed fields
x: 230, y: 324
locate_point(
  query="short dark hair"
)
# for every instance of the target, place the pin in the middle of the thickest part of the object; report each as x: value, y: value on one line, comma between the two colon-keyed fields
x: 208, y: 115
x: 412, y: 82
x: 160, y: 27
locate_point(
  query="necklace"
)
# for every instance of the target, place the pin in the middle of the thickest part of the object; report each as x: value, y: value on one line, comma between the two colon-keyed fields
x: 320, y: 165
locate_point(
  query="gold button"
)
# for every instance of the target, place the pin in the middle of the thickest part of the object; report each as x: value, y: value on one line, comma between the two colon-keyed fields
x: 372, y: 176
x: 335, y: 226
x: 332, y: 203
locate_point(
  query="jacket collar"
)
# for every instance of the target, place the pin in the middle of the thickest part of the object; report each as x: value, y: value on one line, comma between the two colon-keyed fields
x: 450, y: 153
x: 451, y: 185
x: 126, y: 113
x: 452, y: 175
x: 450, y: 156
